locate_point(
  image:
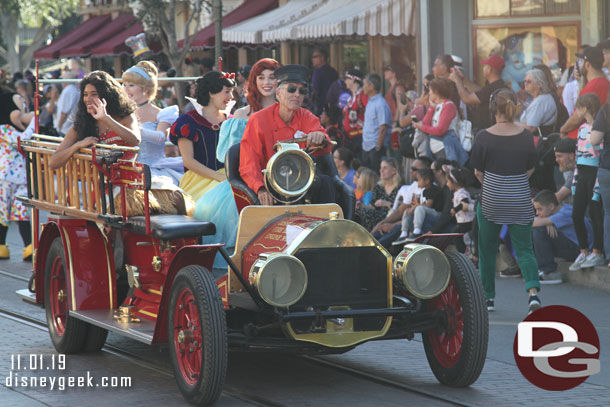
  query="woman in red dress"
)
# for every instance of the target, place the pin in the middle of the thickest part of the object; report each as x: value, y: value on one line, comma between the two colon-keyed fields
x: 104, y: 115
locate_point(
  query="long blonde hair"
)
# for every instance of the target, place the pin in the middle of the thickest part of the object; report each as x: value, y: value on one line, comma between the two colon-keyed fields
x: 396, y: 179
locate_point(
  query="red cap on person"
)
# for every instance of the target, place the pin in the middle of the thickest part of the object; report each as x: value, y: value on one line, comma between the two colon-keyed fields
x: 495, y: 62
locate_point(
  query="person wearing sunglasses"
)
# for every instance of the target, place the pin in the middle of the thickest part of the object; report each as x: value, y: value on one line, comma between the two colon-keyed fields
x: 281, y: 121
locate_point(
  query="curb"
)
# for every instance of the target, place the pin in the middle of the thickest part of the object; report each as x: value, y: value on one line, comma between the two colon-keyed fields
x: 596, y: 277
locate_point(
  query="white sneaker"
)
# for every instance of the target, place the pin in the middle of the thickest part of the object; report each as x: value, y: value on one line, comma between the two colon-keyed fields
x: 593, y: 260
x: 578, y: 262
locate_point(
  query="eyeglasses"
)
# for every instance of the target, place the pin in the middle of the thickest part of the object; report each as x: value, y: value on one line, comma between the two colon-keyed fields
x: 528, y: 81
x: 292, y: 89
x: 414, y: 169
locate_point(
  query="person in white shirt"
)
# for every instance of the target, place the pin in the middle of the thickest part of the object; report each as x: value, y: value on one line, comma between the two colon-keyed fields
x: 66, y: 104
x: 407, y: 198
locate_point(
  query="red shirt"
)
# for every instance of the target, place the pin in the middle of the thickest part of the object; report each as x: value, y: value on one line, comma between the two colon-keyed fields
x: 357, y: 104
x: 264, y: 129
x: 110, y: 137
x: 446, y: 116
x: 599, y: 87
x: 389, y: 98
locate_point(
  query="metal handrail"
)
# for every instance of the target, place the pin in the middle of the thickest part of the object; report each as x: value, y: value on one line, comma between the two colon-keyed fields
x: 162, y: 79
x: 107, y: 146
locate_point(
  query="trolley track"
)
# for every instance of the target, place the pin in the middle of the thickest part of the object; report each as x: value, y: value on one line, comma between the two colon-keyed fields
x: 135, y: 359
x: 235, y: 393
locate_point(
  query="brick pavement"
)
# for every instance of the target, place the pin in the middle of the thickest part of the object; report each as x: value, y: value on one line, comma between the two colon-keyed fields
x: 148, y: 387
x: 500, y: 385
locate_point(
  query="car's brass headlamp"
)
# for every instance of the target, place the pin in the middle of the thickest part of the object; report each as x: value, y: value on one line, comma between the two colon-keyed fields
x: 289, y: 173
x: 280, y: 279
x: 422, y: 270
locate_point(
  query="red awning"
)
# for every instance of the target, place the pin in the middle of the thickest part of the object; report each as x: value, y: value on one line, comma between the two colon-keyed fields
x: 86, y: 28
x: 248, y: 9
x: 116, y: 45
x: 83, y: 47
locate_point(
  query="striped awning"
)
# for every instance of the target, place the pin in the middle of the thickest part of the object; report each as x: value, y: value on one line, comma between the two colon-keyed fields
x: 250, y: 31
x: 346, y: 18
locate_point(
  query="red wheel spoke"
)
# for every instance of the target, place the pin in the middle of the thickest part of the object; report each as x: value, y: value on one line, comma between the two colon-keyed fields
x: 58, y: 296
x: 447, y: 344
x: 187, y: 324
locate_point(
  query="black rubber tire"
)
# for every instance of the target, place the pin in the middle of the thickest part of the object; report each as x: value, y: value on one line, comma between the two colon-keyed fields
x: 213, y: 328
x: 475, y: 327
x: 72, y: 339
x: 96, y: 338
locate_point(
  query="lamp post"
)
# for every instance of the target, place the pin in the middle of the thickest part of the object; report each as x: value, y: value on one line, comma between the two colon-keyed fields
x: 218, y: 29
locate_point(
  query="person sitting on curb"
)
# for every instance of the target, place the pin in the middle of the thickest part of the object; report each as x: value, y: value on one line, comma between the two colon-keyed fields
x: 565, y: 156
x: 554, y: 235
x: 407, y: 199
x: 427, y: 213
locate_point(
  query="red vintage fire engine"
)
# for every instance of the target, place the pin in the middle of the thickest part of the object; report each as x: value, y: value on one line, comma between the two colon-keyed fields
x: 304, y: 278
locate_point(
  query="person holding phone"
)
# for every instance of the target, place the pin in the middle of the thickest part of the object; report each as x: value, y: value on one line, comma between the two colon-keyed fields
x: 576, y: 82
x: 406, y: 111
x: 477, y: 96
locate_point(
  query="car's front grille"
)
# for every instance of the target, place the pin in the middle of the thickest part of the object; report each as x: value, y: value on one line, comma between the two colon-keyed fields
x: 356, y: 277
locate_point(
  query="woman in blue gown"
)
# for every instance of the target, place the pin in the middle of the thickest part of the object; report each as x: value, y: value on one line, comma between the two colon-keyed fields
x: 217, y: 205
x: 140, y: 83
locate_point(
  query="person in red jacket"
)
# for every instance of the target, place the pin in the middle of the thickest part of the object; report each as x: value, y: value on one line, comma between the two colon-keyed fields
x: 353, y: 112
x: 281, y: 121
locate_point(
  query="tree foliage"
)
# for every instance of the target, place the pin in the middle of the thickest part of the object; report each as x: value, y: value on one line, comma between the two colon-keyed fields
x: 159, y: 19
x: 46, y: 14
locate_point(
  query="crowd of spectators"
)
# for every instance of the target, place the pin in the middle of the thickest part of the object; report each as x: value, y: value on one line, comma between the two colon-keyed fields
x: 441, y: 158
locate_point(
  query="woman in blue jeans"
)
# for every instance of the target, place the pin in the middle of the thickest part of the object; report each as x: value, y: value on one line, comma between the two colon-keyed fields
x: 601, y: 133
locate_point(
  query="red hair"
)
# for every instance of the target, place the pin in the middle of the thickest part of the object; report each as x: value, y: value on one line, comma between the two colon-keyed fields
x: 253, y: 96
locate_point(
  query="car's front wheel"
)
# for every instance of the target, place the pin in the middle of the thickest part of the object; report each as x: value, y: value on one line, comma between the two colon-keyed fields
x: 197, y: 334
x: 457, y: 352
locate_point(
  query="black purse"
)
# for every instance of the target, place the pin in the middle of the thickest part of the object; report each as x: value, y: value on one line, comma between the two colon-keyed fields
x: 406, y: 142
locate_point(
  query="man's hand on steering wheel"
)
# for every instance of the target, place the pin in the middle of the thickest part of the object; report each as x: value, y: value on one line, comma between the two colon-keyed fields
x: 316, y: 138
x: 264, y: 197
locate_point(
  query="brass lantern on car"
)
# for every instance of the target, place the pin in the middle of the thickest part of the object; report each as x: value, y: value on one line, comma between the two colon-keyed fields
x: 289, y: 173
x: 422, y: 270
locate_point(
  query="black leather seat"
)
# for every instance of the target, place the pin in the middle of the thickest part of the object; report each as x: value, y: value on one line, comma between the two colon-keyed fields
x: 237, y: 183
x: 167, y: 227
x: 345, y: 196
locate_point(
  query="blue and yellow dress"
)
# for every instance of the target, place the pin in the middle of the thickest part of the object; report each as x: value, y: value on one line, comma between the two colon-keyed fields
x: 217, y: 205
x: 204, y: 135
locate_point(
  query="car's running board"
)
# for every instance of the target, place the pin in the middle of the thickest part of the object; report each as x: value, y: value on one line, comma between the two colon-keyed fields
x: 142, y: 331
x: 27, y: 296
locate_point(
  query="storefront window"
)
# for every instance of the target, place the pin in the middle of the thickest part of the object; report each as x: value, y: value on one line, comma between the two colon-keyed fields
x: 355, y: 55
x: 400, y: 53
x: 523, y: 47
x: 508, y: 8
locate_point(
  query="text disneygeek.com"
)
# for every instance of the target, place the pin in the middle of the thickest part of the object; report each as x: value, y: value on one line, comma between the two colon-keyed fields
x: 22, y: 365
x: 15, y: 380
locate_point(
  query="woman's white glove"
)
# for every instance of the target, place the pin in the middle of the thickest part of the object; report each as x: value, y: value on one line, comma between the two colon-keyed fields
x: 153, y: 136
